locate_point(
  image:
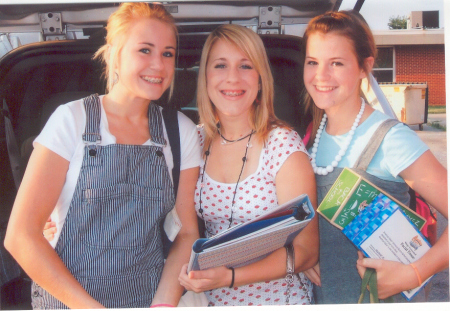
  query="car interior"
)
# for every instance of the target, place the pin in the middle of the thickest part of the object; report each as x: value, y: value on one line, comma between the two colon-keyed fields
x: 40, y: 77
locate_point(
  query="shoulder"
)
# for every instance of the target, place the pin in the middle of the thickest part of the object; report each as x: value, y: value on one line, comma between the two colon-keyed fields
x: 184, y: 122
x: 398, y: 131
x: 285, y: 138
x: 282, y: 142
x: 72, y: 113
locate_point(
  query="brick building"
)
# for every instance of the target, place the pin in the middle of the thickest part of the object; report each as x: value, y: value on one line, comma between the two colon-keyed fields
x: 413, y: 55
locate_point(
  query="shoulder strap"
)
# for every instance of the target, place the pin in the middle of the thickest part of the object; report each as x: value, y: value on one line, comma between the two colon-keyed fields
x: 374, y: 143
x: 170, y: 117
x: 11, y: 146
x: 93, y: 116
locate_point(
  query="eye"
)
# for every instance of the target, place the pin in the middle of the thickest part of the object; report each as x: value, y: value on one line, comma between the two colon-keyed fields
x: 246, y: 66
x: 337, y: 64
x: 219, y: 66
x: 168, y: 54
x: 145, y: 51
x: 311, y: 63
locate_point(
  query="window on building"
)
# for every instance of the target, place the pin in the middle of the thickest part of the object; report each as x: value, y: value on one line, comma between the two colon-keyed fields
x: 383, y: 70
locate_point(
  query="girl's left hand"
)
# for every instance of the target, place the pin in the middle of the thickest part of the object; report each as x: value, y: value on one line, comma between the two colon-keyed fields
x: 392, y: 277
x: 200, y: 281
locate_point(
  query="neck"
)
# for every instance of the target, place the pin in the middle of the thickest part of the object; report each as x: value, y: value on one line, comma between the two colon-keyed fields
x: 234, y: 129
x: 125, y: 106
x: 340, y: 119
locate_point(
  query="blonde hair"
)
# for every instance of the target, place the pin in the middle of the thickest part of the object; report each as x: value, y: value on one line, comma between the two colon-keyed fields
x: 117, y: 28
x: 262, y: 116
x: 351, y: 25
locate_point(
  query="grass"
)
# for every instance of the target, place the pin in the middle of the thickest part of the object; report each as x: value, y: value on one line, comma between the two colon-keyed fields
x: 436, y: 124
x: 436, y: 109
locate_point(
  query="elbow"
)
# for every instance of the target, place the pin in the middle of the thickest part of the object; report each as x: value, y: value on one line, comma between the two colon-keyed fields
x: 13, y: 242
x: 9, y: 241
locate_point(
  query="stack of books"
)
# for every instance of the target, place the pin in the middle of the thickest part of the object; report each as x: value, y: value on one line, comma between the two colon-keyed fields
x: 375, y: 222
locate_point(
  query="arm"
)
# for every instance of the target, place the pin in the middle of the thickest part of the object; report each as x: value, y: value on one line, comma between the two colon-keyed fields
x: 169, y: 290
x: 429, y: 178
x: 272, y: 267
x: 36, y: 198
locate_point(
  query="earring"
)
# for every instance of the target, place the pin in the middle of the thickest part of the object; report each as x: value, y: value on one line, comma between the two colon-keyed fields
x: 116, y: 78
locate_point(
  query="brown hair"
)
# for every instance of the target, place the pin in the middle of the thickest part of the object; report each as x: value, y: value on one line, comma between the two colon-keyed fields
x: 351, y: 25
x: 117, y: 28
x: 262, y: 116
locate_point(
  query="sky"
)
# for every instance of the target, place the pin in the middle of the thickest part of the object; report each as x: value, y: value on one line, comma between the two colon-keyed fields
x: 378, y: 12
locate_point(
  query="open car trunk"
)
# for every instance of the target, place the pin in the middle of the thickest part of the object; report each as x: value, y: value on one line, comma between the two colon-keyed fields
x: 35, y: 78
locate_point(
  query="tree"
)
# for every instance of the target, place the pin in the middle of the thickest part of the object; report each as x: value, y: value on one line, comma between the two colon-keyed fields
x: 398, y: 22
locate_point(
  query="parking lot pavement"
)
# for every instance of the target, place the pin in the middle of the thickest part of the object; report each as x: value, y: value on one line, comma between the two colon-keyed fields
x: 436, y: 139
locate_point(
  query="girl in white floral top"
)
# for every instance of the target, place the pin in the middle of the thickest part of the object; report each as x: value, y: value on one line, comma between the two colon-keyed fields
x: 248, y: 159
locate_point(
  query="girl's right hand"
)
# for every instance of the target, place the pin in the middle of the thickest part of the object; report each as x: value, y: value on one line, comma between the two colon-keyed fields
x: 49, y: 230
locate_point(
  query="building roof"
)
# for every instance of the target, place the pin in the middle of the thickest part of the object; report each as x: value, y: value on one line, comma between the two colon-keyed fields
x: 409, y: 36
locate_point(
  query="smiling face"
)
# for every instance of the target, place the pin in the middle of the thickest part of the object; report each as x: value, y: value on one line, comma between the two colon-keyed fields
x: 147, y: 60
x: 232, y: 82
x: 331, y: 74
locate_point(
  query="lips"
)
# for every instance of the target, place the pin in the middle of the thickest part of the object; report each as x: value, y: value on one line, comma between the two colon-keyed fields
x: 153, y: 80
x: 325, y: 88
x: 233, y: 93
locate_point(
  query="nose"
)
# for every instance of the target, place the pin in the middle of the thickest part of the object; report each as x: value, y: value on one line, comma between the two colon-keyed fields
x: 156, y: 62
x: 322, y: 72
x: 233, y: 74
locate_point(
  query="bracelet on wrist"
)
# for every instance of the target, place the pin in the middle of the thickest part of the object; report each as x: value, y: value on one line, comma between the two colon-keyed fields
x: 417, y: 273
x: 232, y: 277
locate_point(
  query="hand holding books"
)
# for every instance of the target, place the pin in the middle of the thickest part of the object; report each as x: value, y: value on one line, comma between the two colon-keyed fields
x: 381, y: 229
x: 255, y: 239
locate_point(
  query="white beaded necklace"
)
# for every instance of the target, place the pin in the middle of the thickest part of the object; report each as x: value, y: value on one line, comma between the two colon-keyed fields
x: 328, y: 169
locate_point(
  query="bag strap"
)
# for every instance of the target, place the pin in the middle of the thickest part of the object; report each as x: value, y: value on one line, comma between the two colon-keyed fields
x: 11, y: 145
x: 369, y: 282
x: 374, y: 143
x: 170, y: 117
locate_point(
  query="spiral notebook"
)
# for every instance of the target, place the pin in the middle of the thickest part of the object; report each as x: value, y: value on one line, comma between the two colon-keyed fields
x: 255, y: 239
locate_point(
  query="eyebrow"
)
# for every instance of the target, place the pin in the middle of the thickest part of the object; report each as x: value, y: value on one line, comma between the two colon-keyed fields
x: 333, y: 58
x: 224, y: 59
x: 152, y: 45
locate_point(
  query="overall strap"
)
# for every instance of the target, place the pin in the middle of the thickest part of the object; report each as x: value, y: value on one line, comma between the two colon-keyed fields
x: 155, y: 124
x: 93, y: 115
x: 170, y: 117
x: 375, y: 141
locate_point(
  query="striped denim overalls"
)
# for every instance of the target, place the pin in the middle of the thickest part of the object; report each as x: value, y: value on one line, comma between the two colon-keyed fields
x: 111, y: 239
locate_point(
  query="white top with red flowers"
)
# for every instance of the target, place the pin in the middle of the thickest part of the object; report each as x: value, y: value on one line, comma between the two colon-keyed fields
x: 255, y: 194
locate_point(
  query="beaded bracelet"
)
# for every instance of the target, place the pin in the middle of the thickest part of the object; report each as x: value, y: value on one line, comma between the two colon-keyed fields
x: 417, y: 273
x: 232, y: 277
x: 162, y: 305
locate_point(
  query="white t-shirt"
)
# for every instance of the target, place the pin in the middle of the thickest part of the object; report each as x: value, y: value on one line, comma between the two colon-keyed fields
x: 63, y: 135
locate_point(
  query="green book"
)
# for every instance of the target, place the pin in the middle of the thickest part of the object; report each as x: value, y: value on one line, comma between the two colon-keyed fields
x: 349, y: 195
